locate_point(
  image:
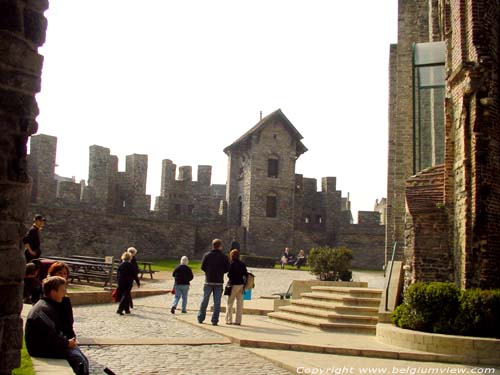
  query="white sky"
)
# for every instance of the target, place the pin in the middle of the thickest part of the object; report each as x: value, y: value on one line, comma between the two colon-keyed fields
x: 181, y: 80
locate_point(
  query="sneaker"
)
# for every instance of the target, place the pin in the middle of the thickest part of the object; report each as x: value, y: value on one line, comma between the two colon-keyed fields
x: 184, y: 311
x: 214, y: 324
x: 172, y: 310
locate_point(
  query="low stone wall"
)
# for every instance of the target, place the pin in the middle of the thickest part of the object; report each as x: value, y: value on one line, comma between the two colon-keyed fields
x: 462, y: 349
x: 304, y: 286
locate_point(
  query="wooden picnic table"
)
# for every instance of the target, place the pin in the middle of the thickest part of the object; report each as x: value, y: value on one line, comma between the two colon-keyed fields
x: 146, y: 268
x: 87, y: 269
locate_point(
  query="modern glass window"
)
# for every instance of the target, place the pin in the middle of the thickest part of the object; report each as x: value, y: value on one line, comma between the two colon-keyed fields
x: 271, y: 206
x: 428, y: 104
x: 272, y: 167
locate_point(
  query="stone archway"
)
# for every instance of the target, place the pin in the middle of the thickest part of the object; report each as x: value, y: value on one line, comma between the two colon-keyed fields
x: 22, y: 32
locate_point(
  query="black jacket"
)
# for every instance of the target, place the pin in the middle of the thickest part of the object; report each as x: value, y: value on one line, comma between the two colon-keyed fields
x: 215, y: 264
x: 44, y: 330
x: 126, y: 275
x: 33, y: 239
x: 237, y: 273
x: 182, y: 274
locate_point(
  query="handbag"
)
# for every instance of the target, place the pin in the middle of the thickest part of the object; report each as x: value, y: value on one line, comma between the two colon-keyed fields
x: 114, y: 295
x: 228, y: 289
x: 173, y: 290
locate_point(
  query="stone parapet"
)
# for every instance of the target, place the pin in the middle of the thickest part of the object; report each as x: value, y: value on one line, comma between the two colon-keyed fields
x: 460, y: 349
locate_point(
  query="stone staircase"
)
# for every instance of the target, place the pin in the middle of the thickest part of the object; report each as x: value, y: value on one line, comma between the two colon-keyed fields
x: 340, y: 309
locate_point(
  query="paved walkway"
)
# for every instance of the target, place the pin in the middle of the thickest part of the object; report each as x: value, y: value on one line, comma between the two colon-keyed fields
x: 153, y: 341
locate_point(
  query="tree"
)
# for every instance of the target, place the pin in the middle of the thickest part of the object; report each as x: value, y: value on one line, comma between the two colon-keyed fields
x: 331, y: 263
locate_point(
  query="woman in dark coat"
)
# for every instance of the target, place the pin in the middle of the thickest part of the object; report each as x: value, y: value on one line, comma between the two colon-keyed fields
x: 237, y: 275
x: 126, y: 275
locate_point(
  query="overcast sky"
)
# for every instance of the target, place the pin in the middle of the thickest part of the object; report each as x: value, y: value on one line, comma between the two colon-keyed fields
x: 181, y: 80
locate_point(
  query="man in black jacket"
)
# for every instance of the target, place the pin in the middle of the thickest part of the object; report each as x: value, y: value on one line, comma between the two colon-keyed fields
x: 215, y: 264
x: 43, y: 332
x: 31, y: 240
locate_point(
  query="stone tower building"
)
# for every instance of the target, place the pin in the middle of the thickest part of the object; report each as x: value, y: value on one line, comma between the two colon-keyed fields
x: 261, y: 177
x: 41, y: 167
x: 444, y: 135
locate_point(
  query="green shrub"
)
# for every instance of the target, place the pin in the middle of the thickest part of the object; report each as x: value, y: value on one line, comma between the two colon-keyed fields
x: 330, y: 263
x: 429, y: 307
x: 258, y: 261
x: 479, y: 313
x: 443, y: 308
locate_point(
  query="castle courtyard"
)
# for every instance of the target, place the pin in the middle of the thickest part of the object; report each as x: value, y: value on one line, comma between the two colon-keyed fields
x: 153, y: 341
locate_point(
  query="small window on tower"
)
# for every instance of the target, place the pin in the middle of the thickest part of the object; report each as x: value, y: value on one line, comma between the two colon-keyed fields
x: 319, y: 219
x: 272, y: 168
x: 271, y: 206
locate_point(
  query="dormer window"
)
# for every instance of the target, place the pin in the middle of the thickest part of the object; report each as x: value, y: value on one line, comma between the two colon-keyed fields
x: 272, y: 167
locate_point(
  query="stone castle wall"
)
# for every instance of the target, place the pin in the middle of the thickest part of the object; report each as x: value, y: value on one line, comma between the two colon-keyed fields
x: 22, y: 31
x: 75, y: 231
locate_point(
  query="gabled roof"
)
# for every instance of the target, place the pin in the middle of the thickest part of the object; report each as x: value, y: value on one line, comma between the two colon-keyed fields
x: 278, y: 114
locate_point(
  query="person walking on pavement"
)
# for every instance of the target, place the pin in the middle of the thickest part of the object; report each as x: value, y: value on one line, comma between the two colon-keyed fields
x: 32, y: 241
x: 126, y: 276
x: 215, y: 264
x: 182, y: 275
x: 237, y: 275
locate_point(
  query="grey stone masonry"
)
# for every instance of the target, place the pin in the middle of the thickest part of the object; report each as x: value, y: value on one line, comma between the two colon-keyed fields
x: 22, y: 31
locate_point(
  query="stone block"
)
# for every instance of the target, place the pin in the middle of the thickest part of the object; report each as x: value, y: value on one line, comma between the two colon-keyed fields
x: 39, y: 5
x: 14, y: 198
x: 13, y: 332
x: 9, y: 360
x: 20, y: 80
x: 16, y: 52
x: 10, y: 299
x: 18, y: 103
x: 35, y: 26
x: 11, y: 16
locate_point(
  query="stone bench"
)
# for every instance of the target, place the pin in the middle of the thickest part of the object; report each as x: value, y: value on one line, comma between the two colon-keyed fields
x: 51, y: 366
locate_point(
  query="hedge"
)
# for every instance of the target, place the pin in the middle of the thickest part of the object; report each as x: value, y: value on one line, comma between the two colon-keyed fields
x: 444, y: 308
x: 258, y: 261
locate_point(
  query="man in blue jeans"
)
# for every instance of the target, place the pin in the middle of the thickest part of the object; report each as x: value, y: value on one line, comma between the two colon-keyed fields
x: 215, y: 264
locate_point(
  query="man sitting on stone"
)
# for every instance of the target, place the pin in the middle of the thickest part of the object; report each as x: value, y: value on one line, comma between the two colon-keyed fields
x: 44, y: 328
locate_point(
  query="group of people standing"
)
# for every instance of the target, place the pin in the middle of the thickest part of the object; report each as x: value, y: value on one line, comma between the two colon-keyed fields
x: 214, y: 264
x: 49, y: 326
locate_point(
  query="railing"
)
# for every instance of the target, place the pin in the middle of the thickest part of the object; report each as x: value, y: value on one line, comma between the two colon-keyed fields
x: 389, y: 278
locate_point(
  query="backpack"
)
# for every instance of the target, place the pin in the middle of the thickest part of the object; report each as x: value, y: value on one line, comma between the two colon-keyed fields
x: 250, y: 281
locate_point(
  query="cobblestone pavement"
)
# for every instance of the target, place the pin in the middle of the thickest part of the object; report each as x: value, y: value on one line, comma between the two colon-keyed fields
x: 151, y: 318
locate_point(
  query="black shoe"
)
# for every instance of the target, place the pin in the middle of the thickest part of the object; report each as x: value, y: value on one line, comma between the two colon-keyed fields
x: 172, y: 310
x: 184, y: 312
x: 127, y: 312
x: 119, y: 312
x: 214, y: 324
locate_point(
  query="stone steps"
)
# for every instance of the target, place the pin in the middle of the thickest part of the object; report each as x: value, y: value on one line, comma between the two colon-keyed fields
x: 329, y: 315
x: 340, y: 309
x: 322, y: 323
x: 344, y: 300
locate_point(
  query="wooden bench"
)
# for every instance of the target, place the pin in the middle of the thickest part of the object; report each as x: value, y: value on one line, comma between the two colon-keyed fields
x: 144, y: 267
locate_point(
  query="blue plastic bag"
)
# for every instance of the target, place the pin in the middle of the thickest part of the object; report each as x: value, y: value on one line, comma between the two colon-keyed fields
x: 247, y: 295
